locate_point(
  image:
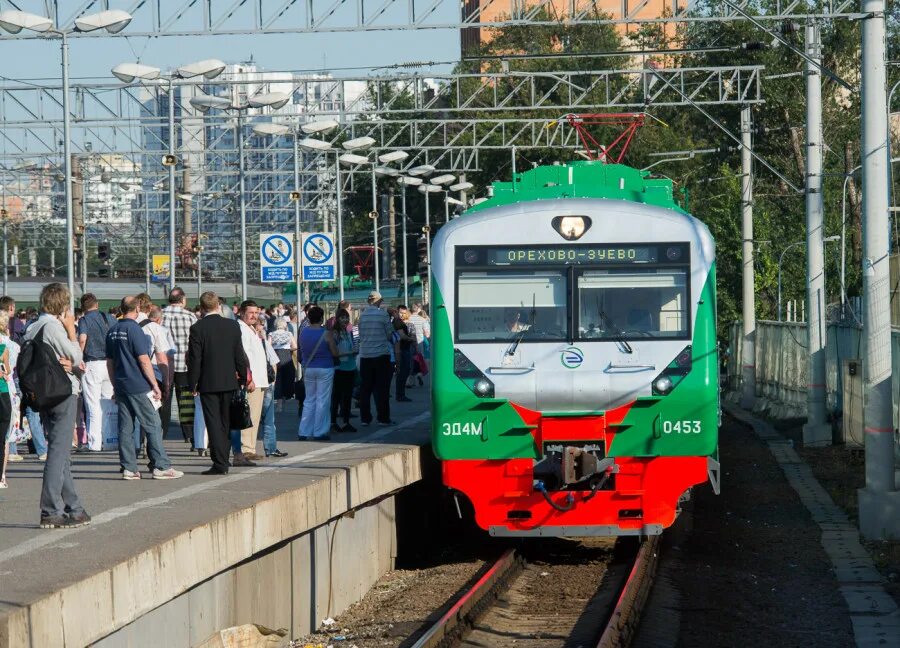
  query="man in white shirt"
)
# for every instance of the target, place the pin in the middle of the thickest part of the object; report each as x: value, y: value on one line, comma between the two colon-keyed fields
x: 243, y: 442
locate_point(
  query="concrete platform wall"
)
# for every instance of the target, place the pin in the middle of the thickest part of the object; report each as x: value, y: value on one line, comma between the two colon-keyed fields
x: 334, y: 534
x: 294, y: 585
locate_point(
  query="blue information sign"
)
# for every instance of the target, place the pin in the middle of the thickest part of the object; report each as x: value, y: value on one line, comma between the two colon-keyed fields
x: 276, y: 257
x: 318, y: 258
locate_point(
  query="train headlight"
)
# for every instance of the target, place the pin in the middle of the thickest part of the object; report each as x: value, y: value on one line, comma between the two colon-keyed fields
x: 674, y: 373
x: 471, y: 375
x: 571, y: 228
x: 483, y: 387
x: 662, y: 385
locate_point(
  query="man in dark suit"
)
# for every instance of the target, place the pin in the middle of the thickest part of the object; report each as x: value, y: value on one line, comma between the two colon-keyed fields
x: 217, y: 367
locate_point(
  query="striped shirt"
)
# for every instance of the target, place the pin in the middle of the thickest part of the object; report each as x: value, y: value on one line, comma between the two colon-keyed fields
x: 375, y: 333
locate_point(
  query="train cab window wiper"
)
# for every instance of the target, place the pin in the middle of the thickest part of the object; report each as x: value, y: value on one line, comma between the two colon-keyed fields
x: 618, y: 336
x: 524, y: 327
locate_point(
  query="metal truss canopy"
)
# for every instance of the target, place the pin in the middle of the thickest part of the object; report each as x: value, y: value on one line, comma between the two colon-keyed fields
x: 232, y: 17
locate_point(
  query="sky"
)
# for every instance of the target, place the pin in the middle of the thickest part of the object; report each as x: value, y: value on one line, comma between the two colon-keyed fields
x: 93, y: 57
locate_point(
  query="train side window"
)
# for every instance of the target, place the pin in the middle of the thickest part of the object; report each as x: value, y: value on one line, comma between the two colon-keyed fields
x: 634, y: 304
x: 497, y: 305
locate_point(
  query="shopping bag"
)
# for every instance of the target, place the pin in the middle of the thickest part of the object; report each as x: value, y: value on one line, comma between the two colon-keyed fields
x: 201, y: 438
x: 109, y: 424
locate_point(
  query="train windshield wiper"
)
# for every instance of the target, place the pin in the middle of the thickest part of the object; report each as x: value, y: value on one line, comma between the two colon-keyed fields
x: 515, y: 344
x: 618, y: 336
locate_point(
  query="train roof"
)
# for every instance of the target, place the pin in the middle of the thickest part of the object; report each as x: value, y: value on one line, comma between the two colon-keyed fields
x: 582, y: 179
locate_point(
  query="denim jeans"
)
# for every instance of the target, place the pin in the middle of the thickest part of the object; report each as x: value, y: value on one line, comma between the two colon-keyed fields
x: 37, y: 431
x: 267, y: 421
x: 136, y: 408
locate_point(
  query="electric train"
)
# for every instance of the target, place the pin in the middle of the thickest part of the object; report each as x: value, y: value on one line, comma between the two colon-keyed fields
x: 575, y: 371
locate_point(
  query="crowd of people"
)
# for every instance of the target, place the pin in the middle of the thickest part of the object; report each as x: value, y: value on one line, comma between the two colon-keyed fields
x: 226, y: 370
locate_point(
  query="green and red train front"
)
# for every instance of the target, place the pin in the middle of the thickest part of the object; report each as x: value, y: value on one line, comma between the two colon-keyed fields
x: 575, y: 384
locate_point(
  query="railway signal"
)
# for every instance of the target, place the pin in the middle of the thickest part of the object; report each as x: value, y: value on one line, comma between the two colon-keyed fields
x: 103, y: 251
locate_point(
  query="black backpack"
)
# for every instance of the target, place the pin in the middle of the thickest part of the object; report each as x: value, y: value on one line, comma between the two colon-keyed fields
x: 43, y: 381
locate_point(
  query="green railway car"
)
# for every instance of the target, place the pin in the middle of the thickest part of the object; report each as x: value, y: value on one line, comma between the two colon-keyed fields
x: 574, y: 353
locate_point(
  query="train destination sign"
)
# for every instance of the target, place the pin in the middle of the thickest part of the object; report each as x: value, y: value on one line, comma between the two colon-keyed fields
x: 574, y: 254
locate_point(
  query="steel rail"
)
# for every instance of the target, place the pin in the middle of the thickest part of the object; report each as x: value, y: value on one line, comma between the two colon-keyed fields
x: 624, y: 620
x: 460, y: 612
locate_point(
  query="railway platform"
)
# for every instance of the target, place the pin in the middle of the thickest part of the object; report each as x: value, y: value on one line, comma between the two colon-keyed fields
x: 169, y: 563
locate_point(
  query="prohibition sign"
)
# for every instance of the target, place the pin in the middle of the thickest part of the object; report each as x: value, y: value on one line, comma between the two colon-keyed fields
x: 318, y: 249
x: 276, y: 249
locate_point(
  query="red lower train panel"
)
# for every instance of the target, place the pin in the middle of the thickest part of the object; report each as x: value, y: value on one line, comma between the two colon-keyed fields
x: 642, y: 500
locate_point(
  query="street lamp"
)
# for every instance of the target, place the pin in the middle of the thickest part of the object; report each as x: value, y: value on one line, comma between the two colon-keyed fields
x: 404, y: 182
x: 827, y: 239
x: 322, y: 146
x: 113, y: 21
x: 128, y: 73
x: 320, y: 127
x: 385, y: 159
x: 204, y: 104
x: 427, y: 190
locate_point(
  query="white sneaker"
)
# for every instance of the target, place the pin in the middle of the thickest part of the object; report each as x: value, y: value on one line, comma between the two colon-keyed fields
x: 15, y: 457
x: 43, y: 457
x: 131, y: 476
x: 171, y: 473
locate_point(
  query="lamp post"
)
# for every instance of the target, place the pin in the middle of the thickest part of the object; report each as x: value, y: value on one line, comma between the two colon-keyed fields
x: 404, y: 182
x: 273, y: 100
x: 322, y: 146
x: 427, y: 190
x: 113, y: 21
x: 128, y: 73
x: 268, y: 128
x: 827, y: 239
x: 389, y: 171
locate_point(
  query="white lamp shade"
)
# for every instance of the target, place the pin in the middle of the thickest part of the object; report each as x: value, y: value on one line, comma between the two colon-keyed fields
x: 268, y: 128
x: 393, y: 156
x: 353, y: 158
x: 319, y: 126
x: 386, y: 171
x: 269, y: 100
x: 15, y: 21
x: 409, y: 181
x: 430, y: 188
x: 461, y: 186
x: 422, y: 169
x: 113, y: 21
x: 443, y: 179
x: 454, y: 201
x: 478, y: 201
x: 210, y: 68
x: 358, y: 143
x: 205, y: 102
x: 128, y: 72
x: 312, y: 144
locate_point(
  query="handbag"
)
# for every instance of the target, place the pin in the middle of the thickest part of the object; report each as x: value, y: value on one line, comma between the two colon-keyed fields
x: 239, y: 411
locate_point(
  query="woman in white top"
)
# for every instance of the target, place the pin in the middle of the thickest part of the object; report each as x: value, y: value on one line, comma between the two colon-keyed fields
x: 284, y: 343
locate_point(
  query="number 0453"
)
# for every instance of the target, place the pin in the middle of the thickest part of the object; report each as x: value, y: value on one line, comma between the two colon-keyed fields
x: 681, y: 427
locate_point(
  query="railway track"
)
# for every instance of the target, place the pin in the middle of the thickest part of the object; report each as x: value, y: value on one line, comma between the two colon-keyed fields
x: 517, y: 602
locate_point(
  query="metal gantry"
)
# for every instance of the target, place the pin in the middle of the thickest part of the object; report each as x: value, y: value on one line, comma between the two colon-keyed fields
x: 233, y: 17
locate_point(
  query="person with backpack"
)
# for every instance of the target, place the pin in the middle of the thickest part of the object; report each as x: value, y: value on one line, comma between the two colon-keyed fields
x: 96, y: 386
x: 49, y: 386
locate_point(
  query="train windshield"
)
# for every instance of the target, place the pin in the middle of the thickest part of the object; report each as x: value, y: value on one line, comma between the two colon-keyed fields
x: 633, y: 304
x: 497, y: 306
